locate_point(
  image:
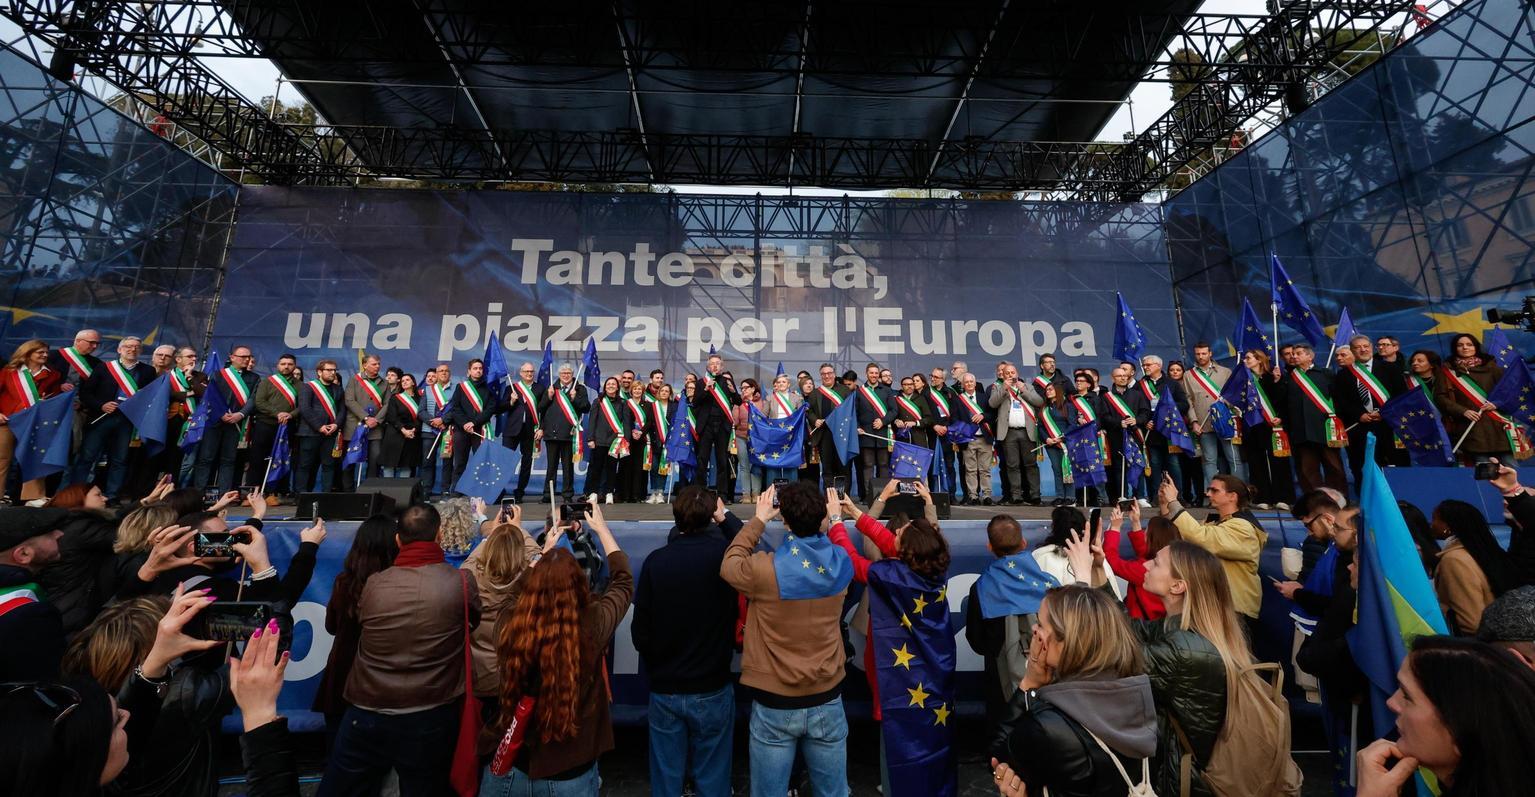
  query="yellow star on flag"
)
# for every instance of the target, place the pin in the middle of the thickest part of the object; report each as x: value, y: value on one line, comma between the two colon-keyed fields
x: 943, y: 594
x: 905, y: 621
x: 821, y: 570
x: 1472, y: 322
x: 942, y: 713
x: 918, y: 697
x: 920, y: 604
x: 903, y: 656
x: 805, y: 562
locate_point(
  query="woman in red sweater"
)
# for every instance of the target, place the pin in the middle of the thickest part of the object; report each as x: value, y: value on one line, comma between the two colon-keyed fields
x: 1146, y: 542
x: 24, y: 381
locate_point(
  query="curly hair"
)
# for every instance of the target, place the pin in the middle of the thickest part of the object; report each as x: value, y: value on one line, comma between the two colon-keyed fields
x: 924, y: 550
x: 541, y: 641
x: 458, y: 529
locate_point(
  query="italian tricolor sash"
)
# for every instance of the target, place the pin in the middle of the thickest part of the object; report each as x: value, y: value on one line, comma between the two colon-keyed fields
x: 123, y: 377
x: 440, y: 398
x: 410, y: 405
x: 910, y: 408
x: 236, y: 386
x: 782, y: 400
x: 1041, y: 382
x: 1028, y: 409
x: 1150, y: 392
x: 974, y: 410
x: 183, y: 385
x: 831, y: 395
x: 472, y: 393
x: 284, y: 388
x: 566, y: 408
x: 526, y: 394
x: 1206, y: 384
x: 27, y: 387
x: 16, y: 596
x: 1053, y: 428
x: 1085, y: 410
x: 638, y: 408
x: 1372, y: 385
x: 1269, y: 416
x: 719, y: 396
x: 692, y: 424
x: 1518, y: 444
x: 610, y: 415
x: 1331, y: 427
x: 1119, y: 405
x: 943, y: 404
x: 879, y: 407
x: 77, y: 361
x: 372, y: 390
x: 324, y: 396
x: 1422, y: 384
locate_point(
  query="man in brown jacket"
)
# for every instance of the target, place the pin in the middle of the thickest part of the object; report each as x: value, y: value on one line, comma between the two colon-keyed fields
x: 407, y: 683
x: 792, y: 661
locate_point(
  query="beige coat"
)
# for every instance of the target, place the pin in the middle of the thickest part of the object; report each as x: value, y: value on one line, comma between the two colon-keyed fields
x: 1462, y: 588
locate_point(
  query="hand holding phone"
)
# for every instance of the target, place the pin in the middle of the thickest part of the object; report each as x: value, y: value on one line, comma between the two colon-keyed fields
x: 778, y: 485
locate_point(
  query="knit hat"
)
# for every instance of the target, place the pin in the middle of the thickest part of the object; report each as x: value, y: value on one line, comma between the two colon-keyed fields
x: 1510, y: 618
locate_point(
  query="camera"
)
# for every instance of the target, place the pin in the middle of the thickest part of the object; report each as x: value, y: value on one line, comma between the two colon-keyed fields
x: 217, y: 543
x: 1523, y: 318
x: 1486, y: 471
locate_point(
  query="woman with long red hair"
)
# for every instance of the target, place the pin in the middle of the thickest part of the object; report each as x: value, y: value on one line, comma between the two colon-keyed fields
x: 551, y: 652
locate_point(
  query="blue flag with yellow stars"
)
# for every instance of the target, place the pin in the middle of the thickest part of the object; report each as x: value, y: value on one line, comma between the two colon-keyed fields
x: 545, y: 366
x: 146, y: 411
x: 810, y: 567
x: 1241, y: 392
x: 1129, y: 338
x: 679, y: 440
x: 282, y: 454
x: 1417, y: 424
x: 1135, y: 458
x: 210, y: 408
x: 914, y: 660
x: 1250, y: 335
x: 44, y: 432
x: 1344, y: 333
x: 1293, y: 310
x: 357, y: 447
x: 1515, y: 394
x: 910, y: 462
x: 1169, y: 421
x: 1498, y: 346
x: 489, y: 469
x: 842, y: 425
x: 1086, y: 457
x: 1013, y: 584
x: 777, y: 442
x: 591, y: 372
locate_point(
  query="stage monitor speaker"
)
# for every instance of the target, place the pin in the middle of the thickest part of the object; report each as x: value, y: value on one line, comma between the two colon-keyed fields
x: 342, y: 506
x: 911, y: 504
x: 404, y: 491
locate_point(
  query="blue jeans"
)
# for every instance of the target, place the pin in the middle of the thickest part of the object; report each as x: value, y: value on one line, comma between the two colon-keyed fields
x: 749, y: 478
x: 1054, y: 455
x: 819, y: 734
x: 690, y: 735
x: 112, y: 435
x: 1214, y: 449
x: 418, y: 746
x: 518, y: 784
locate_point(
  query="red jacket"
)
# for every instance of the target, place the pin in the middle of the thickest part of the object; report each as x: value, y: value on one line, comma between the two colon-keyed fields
x: 11, y: 400
x: 869, y: 526
x: 1142, y: 604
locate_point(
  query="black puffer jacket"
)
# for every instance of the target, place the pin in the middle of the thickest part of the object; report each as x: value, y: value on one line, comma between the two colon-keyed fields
x: 1188, y: 679
x: 74, y: 583
x: 179, y: 761
x: 1045, y: 735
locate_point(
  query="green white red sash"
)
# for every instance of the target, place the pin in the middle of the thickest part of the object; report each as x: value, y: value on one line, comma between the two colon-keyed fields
x: 527, y: 400
x: 936, y: 393
x: 782, y: 400
x: 693, y: 424
x: 1028, y: 409
x: 1054, y: 429
x: 284, y: 388
x: 1372, y: 385
x: 27, y: 387
x: 323, y: 395
x: 1119, y: 405
x: 77, y: 361
x: 1149, y: 391
x: 879, y: 407
x: 1205, y: 384
x: 17, y: 596
x: 831, y: 395
x: 566, y: 408
x: 373, y: 394
x: 126, y: 384
x: 184, y: 386
x: 974, y: 410
x: 1471, y: 390
x: 440, y: 397
x: 910, y: 408
x: 410, y: 405
x: 236, y: 386
x: 472, y: 393
x: 1423, y: 385
x: 1041, y: 382
x: 619, y: 446
x: 1331, y: 427
x: 719, y: 396
x: 638, y: 408
x: 1269, y: 416
x: 1085, y: 411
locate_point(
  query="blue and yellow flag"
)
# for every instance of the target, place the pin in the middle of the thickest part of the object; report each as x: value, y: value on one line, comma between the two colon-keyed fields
x: 1013, y: 585
x: 1416, y: 422
x: 1396, y: 600
x: 146, y: 411
x: 1293, y: 309
x: 1514, y: 394
x: 679, y: 441
x: 44, y: 432
x: 1085, y: 455
x: 910, y: 462
x: 777, y: 442
x: 914, y: 662
x: 282, y: 454
x: 810, y: 567
x: 842, y: 425
x: 209, y: 410
x: 1249, y: 334
x: 1502, y: 350
x: 1129, y: 337
x: 1169, y: 421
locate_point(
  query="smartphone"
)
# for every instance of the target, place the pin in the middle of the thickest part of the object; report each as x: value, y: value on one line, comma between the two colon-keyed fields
x: 906, y: 487
x: 575, y: 510
x: 246, y: 490
x: 1093, y: 519
x: 1127, y: 505
x: 506, y: 506
x: 211, y: 496
x: 217, y: 543
x: 778, y: 485
x: 1486, y: 471
x: 237, y: 620
x: 839, y: 483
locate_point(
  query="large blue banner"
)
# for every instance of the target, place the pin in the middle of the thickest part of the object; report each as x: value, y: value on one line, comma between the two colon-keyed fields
x: 661, y: 279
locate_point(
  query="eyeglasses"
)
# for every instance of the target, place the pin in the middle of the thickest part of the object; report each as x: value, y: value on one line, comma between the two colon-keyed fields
x: 325, y: 370
x: 59, y: 699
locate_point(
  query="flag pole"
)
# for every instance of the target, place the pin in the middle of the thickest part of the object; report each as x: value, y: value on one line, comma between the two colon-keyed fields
x: 1463, y: 435
x: 267, y: 477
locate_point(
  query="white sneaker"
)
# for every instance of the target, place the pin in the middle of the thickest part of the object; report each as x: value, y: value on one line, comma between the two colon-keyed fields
x: 1282, y: 506
x: 609, y: 499
x: 1144, y: 504
x: 593, y: 499
x: 1260, y: 506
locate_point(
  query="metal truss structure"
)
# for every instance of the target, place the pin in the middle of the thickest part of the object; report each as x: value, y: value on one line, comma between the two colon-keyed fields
x: 1239, y: 68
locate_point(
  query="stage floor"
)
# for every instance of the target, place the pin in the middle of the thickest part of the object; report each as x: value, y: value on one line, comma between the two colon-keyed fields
x: 632, y: 513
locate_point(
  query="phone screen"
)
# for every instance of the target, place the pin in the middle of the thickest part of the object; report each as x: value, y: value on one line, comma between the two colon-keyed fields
x: 839, y: 483
x: 778, y: 485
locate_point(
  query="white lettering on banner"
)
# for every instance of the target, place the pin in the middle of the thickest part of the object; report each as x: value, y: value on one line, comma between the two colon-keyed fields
x: 348, y: 330
x: 312, y: 662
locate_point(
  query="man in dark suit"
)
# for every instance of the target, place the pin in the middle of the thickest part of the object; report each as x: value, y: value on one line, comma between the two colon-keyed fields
x: 216, y: 453
x: 713, y: 406
x: 1150, y: 388
x: 522, y: 432
x: 1014, y: 409
x: 876, y: 411
x: 473, y: 405
x: 941, y: 397
x: 320, y: 414
x: 1307, y: 408
x: 1122, y: 407
x: 560, y: 408
x: 1358, y: 391
x: 76, y: 362
x: 106, y: 430
x: 824, y: 400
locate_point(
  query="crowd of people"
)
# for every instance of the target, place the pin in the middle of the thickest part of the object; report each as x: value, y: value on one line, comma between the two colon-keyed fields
x: 428, y: 428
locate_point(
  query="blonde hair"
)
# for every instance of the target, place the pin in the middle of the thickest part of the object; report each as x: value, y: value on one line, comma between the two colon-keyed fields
x: 116, y: 641
x: 1207, y: 606
x: 1095, y: 636
x: 19, y: 359
x: 133, y: 532
x: 504, y: 559
x: 458, y: 528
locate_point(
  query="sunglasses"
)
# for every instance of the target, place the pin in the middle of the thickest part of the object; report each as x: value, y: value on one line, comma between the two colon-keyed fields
x: 59, y: 699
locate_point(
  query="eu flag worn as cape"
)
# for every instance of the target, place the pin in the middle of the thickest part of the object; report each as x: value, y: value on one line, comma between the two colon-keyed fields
x: 1396, y: 601
x: 146, y: 411
x: 282, y: 454
x: 1129, y: 338
x: 1293, y: 310
x: 1250, y: 335
x: 910, y: 462
x: 810, y: 567
x: 210, y: 408
x: 842, y: 425
x: 679, y: 441
x: 914, y: 663
x: 488, y: 471
x: 1169, y: 421
x: 1417, y: 424
x: 591, y: 375
x: 1497, y: 345
x: 1514, y: 394
x: 44, y: 432
x: 1086, y: 458
x: 1013, y: 584
x: 777, y: 442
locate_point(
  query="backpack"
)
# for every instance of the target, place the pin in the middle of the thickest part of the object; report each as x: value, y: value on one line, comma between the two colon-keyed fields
x: 1254, y: 742
x: 1013, y: 662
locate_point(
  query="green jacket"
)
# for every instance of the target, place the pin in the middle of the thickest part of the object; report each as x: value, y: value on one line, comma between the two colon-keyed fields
x: 1188, y: 681
x: 270, y: 401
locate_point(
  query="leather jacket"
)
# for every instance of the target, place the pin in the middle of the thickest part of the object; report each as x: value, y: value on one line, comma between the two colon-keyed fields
x: 179, y: 759
x: 1049, y: 745
x: 1188, y: 680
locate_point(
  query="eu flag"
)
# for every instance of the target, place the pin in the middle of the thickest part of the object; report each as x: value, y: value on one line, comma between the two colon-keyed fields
x: 1086, y: 458
x: 1241, y: 392
x: 1169, y: 421
x: 1293, y: 310
x: 496, y: 371
x: 679, y: 441
x: 913, y: 650
x: 146, y: 411
x: 1417, y: 424
x: 910, y: 462
x: 842, y: 425
x: 1497, y: 344
x: 591, y: 375
x: 545, y: 366
x: 356, y: 448
x: 1345, y: 331
x: 1013, y: 585
x: 282, y: 454
x: 43, y: 433
x: 488, y: 471
x: 209, y: 409
x: 1129, y: 338
x: 1135, y: 458
x: 1396, y: 600
x: 1515, y: 394
x: 777, y: 442
x: 810, y: 567
x: 1249, y: 334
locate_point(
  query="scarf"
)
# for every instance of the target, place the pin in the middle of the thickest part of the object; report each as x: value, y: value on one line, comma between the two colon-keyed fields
x: 1467, y: 363
x: 416, y: 554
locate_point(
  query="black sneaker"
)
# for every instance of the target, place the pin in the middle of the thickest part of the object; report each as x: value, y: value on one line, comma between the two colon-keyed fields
x: 986, y: 501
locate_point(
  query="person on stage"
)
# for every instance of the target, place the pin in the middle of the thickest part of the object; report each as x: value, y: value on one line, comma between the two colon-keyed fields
x: 811, y: 470
x: 607, y: 442
x: 1461, y: 395
x: 942, y: 397
x: 828, y: 395
x: 436, y: 435
x: 521, y: 433
x: 274, y: 405
x: 367, y: 394
x: 401, y: 440
x: 631, y: 469
x: 663, y: 414
x: 469, y: 412
x: 220, y: 445
x: 1316, y: 431
x: 25, y: 381
x: 1122, y: 412
x: 876, y: 413
x: 1202, y: 385
x: 1359, y: 390
x: 781, y: 402
x: 1266, y: 446
x: 1158, y: 456
x: 561, y: 407
x: 320, y: 411
x: 713, y: 405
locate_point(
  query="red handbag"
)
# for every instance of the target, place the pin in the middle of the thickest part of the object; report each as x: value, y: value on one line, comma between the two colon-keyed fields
x: 511, y: 742
x: 464, y: 775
